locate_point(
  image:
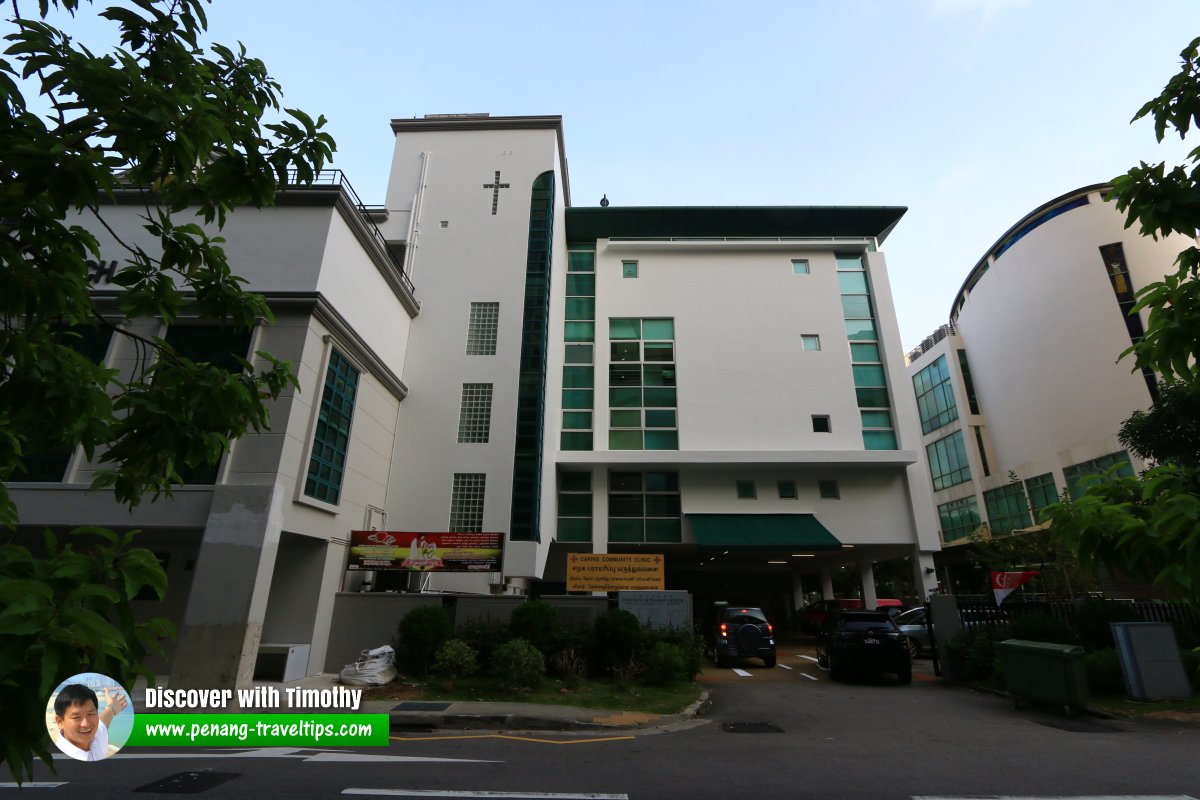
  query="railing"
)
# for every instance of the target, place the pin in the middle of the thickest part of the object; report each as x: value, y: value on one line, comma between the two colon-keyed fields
x: 981, y: 611
x: 335, y: 177
x: 929, y: 341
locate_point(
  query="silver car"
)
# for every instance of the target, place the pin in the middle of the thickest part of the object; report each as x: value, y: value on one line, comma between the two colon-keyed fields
x: 912, y: 625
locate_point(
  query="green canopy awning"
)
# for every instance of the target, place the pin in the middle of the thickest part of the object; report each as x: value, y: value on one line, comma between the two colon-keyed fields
x: 762, y: 532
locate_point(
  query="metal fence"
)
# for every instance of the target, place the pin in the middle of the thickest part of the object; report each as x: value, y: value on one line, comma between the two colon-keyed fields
x: 981, y: 612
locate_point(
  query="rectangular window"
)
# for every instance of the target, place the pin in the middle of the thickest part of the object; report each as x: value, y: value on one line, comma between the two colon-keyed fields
x: 644, y: 507
x: 828, y: 490
x: 574, y: 507
x: 968, y: 384
x: 331, y: 441
x: 466, y: 502
x: 935, y: 396
x: 475, y: 413
x: 959, y: 518
x: 787, y: 490
x: 746, y: 490
x: 1007, y: 508
x: 1042, y: 492
x: 800, y: 266
x: 983, y: 460
x: 1076, y: 473
x: 641, y: 380
x: 482, y: 329
x: 579, y: 372
x: 810, y: 341
x: 821, y: 424
x: 948, y: 465
x: 629, y: 269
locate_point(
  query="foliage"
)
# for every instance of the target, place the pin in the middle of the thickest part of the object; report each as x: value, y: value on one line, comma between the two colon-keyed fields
x: 1104, y: 672
x: 179, y: 130
x: 571, y: 667
x: 1041, y: 627
x: 616, y: 636
x: 484, y: 636
x: 1191, y: 665
x: 1169, y: 431
x: 1060, y: 572
x: 972, y: 656
x: 666, y: 663
x: 535, y: 622
x: 456, y: 659
x: 422, y: 632
x: 689, y: 644
x: 627, y: 672
x: 518, y: 665
x: 68, y: 611
x: 591, y: 693
x: 1092, y: 619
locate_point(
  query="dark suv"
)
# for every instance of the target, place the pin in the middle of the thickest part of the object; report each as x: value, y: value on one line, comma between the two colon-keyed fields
x: 863, y: 641
x: 742, y: 632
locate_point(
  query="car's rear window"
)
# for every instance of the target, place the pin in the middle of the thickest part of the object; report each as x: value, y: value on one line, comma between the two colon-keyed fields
x: 868, y: 625
x: 915, y: 616
x: 743, y: 616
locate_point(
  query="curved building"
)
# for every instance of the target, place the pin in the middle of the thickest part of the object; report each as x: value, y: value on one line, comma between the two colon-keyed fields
x: 1025, y: 380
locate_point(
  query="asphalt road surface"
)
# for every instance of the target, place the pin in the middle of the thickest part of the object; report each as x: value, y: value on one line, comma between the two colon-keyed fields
x: 768, y: 734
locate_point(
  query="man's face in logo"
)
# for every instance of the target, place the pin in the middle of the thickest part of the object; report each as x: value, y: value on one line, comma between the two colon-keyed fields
x: 79, y: 724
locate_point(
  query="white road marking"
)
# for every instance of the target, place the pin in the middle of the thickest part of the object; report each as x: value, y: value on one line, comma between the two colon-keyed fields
x: 810, y: 677
x: 1058, y: 797
x: 785, y: 666
x: 742, y: 672
x: 800, y: 655
x: 515, y: 795
x: 32, y: 785
x: 302, y: 754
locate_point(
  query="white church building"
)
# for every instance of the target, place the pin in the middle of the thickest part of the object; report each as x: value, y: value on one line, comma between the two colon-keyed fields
x: 721, y: 386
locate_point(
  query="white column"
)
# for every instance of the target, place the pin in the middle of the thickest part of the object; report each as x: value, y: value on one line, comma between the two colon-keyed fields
x: 826, y: 583
x: 797, y: 591
x: 924, y: 574
x: 866, y: 575
x: 599, y: 514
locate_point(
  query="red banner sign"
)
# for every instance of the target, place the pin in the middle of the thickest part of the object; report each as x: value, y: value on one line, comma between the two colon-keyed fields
x: 426, y: 552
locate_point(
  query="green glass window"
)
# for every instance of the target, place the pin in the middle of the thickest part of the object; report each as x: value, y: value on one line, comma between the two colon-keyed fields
x: 577, y: 378
x: 579, y: 331
x: 661, y: 440
x: 626, y: 351
x: 876, y: 419
x: 1076, y: 473
x: 575, y: 440
x: 1007, y: 509
x: 852, y: 282
x: 872, y: 398
x: 629, y: 269
x: 624, y: 419
x: 935, y: 396
x: 581, y: 308
x: 624, y: 375
x: 660, y: 398
x: 1042, y: 492
x: 577, y: 420
x: 625, y: 398
x: 624, y: 440
x: 869, y: 375
x: 658, y: 418
x: 577, y: 398
x: 787, y: 490
x: 638, y: 363
x: 828, y: 490
x: 659, y: 351
x: 579, y: 354
x: 856, y: 306
x: 624, y: 329
x: 800, y: 266
x: 864, y: 352
x: 948, y: 465
x: 810, y: 341
x: 575, y: 482
x: 879, y: 440
x: 959, y: 518
x: 331, y: 440
x: 581, y: 261
x: 575, y: 507
x: 851, y: 262
x: 644, y: 507
x: 658, y: 375
x: 746, y: 490
x: 662, y: 481
x: 581, y: 286
x: 658, y: 329
x: 860, y: 329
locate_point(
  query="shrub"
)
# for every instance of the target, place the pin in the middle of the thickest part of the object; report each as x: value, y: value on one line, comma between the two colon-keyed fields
x: 519, y: 665
x: 972, y: 656
x: 570, y: 667
x: 1104, y: 672
x: 422, y: 631
x: 484, y: 636
x: 1041, y: 627
x: 456, y: 659
x: 627, y: 671
x: 666, y: 663
x: 1093, y: 616
x: 616, y: 637
x: 1191, y: 665
x: 689, y: 644
x: 535, y: 622
x: 575, y: 638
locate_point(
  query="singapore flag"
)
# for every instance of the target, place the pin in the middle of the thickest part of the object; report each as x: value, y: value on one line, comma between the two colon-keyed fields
x: 1005, y: 583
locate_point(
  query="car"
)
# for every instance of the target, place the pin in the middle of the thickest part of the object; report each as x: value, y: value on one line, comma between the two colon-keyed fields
x: 813, y: 617
x: 862, y: 642
x: 742, y: 631
x: 912, y: 626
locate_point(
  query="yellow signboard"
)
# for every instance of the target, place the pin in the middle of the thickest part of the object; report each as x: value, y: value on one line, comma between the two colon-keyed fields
x: 613, y: 572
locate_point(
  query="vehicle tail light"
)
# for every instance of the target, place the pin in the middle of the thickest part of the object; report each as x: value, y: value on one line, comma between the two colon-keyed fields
x: 770, y: 629
x: 723, y: 628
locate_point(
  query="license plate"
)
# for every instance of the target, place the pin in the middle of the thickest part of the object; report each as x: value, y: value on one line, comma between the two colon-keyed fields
x: 871, y: 641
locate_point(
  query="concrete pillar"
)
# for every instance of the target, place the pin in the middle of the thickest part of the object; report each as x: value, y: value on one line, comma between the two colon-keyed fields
x: 797, y: 591
x: 600, y: 514
x: 866, y: 575
x: 222, y: 626
x: 924, y: 574
x: 826, y: 583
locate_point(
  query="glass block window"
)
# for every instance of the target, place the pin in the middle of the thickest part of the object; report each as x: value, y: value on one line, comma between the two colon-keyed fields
x: 828, y: 490
x: 1075, y: 473
x: 959, y: 518
x: 466, y: 502
x: 482, y: 328
x: 644, y: 507
x: 641, y: 379
x: 1042, y: 492
x: 948, y: 465
x: 870, y: 378
x: 746, y: 490
x: 574, y: 507
x: 1007, y: 508
x: 327, y: 465
x: 475, y: 413
x: 579, y: 368
x: 787, y: 490
x: 935, y: 396
x: 810, y: 341
x: 800, y: 266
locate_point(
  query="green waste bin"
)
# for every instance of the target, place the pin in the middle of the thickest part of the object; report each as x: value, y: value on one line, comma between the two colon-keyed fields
x: 1044, y: 672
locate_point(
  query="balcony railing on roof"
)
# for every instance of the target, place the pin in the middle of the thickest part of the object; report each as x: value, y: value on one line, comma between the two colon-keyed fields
x: 929, y: 341
x: 335, y: 177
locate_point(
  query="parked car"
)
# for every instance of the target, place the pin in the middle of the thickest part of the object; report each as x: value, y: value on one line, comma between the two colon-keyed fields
x: 813, y: 617
x: 863, y: 641
x: 740, y: 632
x: 912, y: 625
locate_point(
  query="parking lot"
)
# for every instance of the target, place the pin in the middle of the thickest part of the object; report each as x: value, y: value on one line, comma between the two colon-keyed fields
x: 797, y: 662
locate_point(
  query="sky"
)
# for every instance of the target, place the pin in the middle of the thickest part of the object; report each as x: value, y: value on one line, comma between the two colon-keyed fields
x: 970, y: 113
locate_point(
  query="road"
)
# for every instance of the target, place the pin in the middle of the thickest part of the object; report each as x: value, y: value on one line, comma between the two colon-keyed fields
x: 863, y: 739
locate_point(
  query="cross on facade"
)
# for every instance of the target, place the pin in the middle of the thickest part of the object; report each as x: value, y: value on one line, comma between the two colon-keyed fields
x: 495, y: 186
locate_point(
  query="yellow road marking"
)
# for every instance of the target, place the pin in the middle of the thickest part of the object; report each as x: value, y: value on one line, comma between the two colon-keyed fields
x: 506, y: 736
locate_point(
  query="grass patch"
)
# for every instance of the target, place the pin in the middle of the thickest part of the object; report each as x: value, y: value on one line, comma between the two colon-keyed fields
x: 603, y: 694
x: 1128, y: 707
